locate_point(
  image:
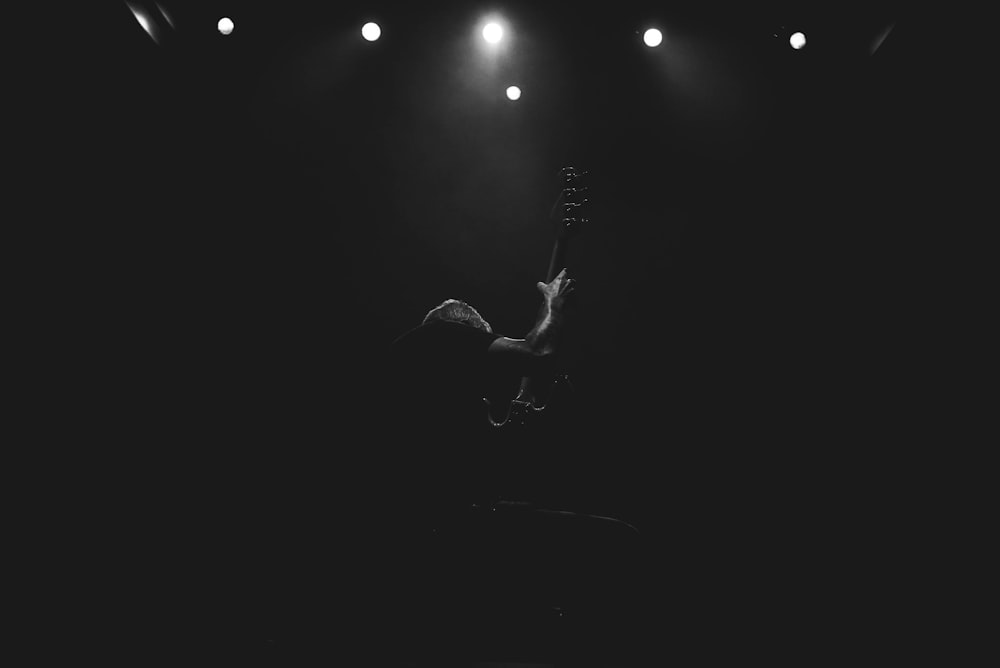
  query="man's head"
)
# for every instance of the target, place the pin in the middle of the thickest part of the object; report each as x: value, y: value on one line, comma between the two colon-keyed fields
x: 458, y: 311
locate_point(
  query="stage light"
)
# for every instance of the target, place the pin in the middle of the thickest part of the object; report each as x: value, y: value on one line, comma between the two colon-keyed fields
x: 143, y: 21
x: 513, y: 92
x: 880, y: 37
x: 148, y: 20
x: 797, y: 40
x: 166, y: 16
x: 226, y: 25
x: 371, y: 31
x: 492, y: 33
x: 652, y: 37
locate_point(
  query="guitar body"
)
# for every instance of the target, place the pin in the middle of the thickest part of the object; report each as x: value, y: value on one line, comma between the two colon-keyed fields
x: 527, y: 407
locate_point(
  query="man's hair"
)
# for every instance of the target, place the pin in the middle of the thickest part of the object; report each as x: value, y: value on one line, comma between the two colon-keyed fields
x: 455, y: 310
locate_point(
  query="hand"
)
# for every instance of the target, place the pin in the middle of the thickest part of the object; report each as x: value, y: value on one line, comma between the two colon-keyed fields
x: 557, y: 291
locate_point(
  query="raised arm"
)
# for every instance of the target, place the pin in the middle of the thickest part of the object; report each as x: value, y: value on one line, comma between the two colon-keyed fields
x: 531, y: 354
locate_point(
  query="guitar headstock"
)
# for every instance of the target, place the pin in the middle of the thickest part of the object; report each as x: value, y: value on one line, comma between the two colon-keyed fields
x: 572, y: 203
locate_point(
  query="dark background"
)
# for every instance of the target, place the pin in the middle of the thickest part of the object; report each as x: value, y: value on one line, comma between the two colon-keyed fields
x: 246, y: 223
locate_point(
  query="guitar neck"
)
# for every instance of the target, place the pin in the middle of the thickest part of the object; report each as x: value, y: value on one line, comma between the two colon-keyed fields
x: 557, y: 261
x: 555, y: 266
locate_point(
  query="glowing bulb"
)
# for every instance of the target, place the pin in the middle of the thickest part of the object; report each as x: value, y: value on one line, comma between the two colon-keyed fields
x: 225, y: 25
x: 492, y: 33
x: 797, y: 40
x: 652, y: 37
x: 371, y: 31
x: 513, y: 92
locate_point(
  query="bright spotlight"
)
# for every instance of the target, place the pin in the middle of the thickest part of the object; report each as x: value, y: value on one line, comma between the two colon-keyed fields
x: 371, y: 31
x: 652, y: 37
x: 513, y: 92
x: 143, y: 21
x: 225, y: 25
x: 492, y: 33
x: 147, y: 20
x: 797, y: 40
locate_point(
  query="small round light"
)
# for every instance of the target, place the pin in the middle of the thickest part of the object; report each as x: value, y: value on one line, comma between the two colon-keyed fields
x: 371, y: 31
x: 513, y: 92
x: 652, y: 37
x: 492, y: 33
x: 797, y: 40
x: 226, y: 25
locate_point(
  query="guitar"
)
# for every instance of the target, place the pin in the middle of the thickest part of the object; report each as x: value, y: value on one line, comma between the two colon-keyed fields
x: 534, y: 392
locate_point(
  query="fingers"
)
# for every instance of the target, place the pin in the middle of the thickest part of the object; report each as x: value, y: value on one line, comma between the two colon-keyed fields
x: 560, y: 282
x: 559, y: 278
